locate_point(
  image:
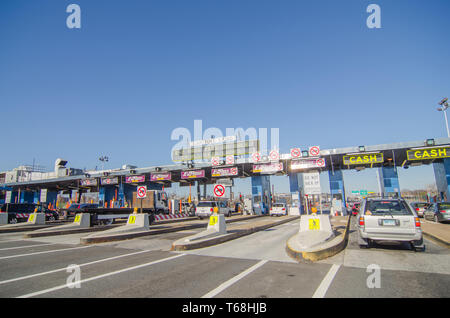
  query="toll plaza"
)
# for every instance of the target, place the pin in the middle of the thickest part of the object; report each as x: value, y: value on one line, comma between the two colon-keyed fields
x: 116, y: 188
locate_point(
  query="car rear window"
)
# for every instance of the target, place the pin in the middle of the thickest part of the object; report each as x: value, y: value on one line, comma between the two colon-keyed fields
x: 206, y: 204
x: 388, y: 207
x: 422, y: 205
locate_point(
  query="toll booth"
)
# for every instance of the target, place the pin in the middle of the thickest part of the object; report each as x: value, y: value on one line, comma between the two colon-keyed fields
x: 388, y: 180
x: 442, y: 177
x: 261, y: 195
x: 296, y: 192
x: 337, y: 189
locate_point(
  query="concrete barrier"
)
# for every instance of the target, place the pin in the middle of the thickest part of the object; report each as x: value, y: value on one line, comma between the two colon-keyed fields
x: 81, y: 223
x: 327, y: 248
x: 137, y: 225
x: 260, y: 224
x: 314, y: 230
x: 216, y: 226
x: 36, y: 218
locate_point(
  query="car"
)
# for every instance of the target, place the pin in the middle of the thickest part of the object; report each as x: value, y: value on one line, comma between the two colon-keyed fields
x: 383, y: 219
x: 188, y: 208
x: 355, y: 208
x: 420, y: 207
x: 19, y: 212
x: 206, y: 208
x: 75, y: 208
x: 278, y: 209
x: 438, y: 212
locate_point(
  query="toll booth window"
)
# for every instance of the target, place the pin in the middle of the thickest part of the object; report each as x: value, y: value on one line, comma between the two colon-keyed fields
x: 388, y: 207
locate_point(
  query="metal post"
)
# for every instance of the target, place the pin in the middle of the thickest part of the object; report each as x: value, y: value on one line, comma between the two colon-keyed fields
x: 446, y: 122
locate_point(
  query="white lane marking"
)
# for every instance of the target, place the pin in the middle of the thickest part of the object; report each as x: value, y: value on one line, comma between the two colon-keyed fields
x: 326, y: 282
x: 14, y: 248
x: 53, y: 251
x: 100, y: 276
x: 65, y: 268
x: 233, y: 280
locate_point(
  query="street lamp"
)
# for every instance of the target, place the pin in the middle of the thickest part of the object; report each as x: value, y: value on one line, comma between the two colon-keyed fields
x: 443, y: 108
x: 103, y: 159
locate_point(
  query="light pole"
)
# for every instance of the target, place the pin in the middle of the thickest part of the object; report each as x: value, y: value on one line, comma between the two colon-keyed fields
x: 443, y: 108
x: 103, y: 159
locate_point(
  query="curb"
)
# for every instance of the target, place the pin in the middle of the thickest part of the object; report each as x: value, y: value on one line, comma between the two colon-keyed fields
x: 436, y: 238
x: 24, y: 228
x: 69, y: 231
x: 227, y: 237
x: 320, y: 254
x: 127, y: 236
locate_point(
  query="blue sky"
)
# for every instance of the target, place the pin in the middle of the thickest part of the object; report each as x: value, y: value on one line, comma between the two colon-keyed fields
x: 136, y: 70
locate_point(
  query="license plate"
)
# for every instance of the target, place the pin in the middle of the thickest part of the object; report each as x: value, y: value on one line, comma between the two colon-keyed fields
x: 389, y: 222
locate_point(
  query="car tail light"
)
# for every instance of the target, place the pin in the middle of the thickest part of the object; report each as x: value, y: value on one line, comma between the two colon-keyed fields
x: 212, y: 209
x: 361, y: 221
x: 443, y: 211
x: 417, y: 222
x: 417, y: 209
x: 283, y: 209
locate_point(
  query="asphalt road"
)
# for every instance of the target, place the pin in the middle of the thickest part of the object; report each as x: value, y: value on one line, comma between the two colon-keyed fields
x: 254, y: 266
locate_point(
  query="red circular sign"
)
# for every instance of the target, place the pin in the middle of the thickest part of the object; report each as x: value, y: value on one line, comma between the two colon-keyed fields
x: 215, y: 161
x: 256, y: 157
x: 314, y: 151
x: 295, y: 152
x: 320, y: 162
x: 142, y: 192
x: 274, y: 155
x: 219, y: 190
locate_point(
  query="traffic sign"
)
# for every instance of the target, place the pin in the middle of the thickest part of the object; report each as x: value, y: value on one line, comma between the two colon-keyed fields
x: 142, y: 192
x: 363, y: 192
x: 274, y: 155
x: 314, y: 151
x: 215, y: 161
x: 229, y: 160
x: 219, y: 190
x: 256, y: 157
x: 320, y: 162
x: 296, y: 153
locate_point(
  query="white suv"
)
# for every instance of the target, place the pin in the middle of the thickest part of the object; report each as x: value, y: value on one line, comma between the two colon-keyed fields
x: 389, y: 220
x: 206, y: 208
x: 278, y: 209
